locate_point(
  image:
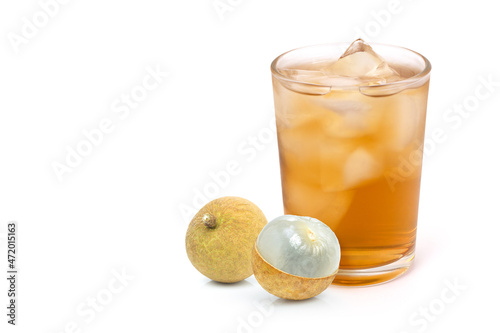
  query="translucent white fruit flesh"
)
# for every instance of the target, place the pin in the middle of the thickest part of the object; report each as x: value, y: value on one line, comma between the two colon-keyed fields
x: 298, y: 245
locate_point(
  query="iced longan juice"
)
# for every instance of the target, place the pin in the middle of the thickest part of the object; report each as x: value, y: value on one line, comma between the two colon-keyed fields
x: 350, y: 123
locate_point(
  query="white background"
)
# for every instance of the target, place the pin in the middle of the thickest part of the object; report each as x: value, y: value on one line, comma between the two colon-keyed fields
x: 120, y: 209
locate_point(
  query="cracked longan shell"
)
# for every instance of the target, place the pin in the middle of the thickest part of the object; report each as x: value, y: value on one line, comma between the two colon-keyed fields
x: 285, y: 285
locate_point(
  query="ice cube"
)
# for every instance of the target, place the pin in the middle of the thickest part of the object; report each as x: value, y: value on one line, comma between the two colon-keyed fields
x: 306, y: 199
x: 310, y: 82
x: 361, y: 62
x: 358, y: 45
x: 405, y: 120
x: 356, y: 65
x: 305, y: 75
x: 361, y: 166
x: 354, y: 120
x: 384, y: 73
x: 333, y: 156
x: 355, y: 117
x: 319, y: 78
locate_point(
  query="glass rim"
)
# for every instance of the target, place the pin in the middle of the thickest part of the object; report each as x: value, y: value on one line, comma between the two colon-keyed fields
x: 404, y: 82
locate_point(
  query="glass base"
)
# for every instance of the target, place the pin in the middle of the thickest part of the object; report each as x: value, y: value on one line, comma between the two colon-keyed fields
x: 374, y: 275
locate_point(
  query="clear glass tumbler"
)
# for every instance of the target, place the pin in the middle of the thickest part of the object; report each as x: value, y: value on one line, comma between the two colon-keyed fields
x: 351, y: 154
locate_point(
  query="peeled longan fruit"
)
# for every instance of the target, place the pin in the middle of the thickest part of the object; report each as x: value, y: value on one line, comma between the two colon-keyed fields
x: 296, y: 257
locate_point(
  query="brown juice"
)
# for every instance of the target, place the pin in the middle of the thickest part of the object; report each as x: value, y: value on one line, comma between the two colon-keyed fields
x: 353, y: 161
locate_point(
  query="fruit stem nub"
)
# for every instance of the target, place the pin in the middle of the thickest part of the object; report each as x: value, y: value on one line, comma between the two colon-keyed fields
x: 209, y: 220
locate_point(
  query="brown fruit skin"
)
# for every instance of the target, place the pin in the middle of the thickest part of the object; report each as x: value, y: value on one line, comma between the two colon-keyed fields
x: 224, y: 253
x: 285, y: 285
